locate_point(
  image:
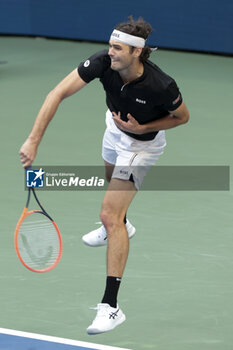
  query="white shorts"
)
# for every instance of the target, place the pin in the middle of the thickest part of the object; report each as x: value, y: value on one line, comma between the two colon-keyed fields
x: 130, y: 156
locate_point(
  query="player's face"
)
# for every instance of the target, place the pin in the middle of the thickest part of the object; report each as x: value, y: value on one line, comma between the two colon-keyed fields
x: 121, y: 55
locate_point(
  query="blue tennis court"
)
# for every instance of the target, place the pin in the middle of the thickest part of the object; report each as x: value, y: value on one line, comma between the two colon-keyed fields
x: 11, y: 340
x: 178, y: 281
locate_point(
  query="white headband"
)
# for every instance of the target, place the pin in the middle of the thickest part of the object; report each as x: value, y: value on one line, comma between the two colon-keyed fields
x: 128, y: 39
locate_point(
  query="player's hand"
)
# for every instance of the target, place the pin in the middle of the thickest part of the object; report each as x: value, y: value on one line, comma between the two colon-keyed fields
x: 131, y: 125
x: 28, y: 152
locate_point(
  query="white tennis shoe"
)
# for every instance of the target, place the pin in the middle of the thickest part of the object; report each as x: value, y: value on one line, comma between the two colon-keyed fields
x: 98, y: 237
x: 107, y: 318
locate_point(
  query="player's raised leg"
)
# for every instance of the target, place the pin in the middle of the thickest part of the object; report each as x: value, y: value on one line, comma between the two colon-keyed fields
x: 98, y: 237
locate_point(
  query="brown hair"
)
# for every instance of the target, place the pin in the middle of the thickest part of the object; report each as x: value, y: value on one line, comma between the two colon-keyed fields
x: 139, y: 28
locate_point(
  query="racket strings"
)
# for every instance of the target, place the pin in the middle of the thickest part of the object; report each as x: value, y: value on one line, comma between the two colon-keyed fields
x: 38, y: 241
x: 36, y: 225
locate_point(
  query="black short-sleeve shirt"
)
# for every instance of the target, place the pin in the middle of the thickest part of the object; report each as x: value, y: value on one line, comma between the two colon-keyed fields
x: 146, y: 98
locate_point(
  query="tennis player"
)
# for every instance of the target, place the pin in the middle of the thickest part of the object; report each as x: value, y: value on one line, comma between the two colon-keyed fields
x: 142, y: 102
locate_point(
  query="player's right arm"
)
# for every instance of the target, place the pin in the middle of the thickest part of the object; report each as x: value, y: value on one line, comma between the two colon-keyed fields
x: 67, y: 87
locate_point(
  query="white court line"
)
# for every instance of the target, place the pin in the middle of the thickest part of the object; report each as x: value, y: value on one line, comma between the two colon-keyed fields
x: 58, y: 340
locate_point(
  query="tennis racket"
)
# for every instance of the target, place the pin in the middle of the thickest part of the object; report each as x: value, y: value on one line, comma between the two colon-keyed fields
x: 38, y: 240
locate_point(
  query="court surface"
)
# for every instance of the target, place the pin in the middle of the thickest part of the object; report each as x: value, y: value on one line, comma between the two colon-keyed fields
x: 177, y: 289
x: 10, y: 338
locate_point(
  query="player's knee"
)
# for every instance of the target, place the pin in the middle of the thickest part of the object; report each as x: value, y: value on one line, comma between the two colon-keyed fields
x: 106, y: 218
x: 110, y: 218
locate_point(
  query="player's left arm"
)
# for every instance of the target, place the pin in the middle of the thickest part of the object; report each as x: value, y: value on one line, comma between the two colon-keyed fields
x: 174, y: 118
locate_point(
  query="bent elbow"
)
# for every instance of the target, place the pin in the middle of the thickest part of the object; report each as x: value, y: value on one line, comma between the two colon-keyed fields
x: 55, y: 95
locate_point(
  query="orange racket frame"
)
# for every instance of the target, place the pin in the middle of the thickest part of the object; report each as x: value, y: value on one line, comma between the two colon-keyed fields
x: 24, y: 214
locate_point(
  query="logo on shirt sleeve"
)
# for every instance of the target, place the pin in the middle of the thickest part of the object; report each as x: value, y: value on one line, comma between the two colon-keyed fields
x: 87, y: 63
